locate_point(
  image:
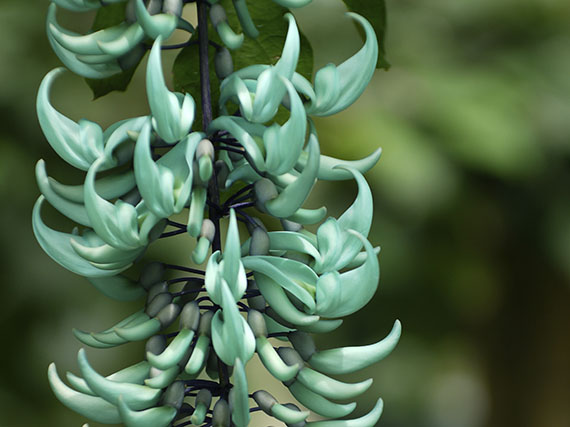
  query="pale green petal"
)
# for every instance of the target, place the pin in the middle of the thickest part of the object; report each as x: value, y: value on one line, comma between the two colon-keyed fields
x: 94, y: 408
x: 59, y: 247
x: 235, y: 89
x: 346, y: 360
x: 64, y: 135
x: 69, y: 59
x: 118, y: 287
x: 245, y: 18
x: 128, y: 40
x: 272, y: 362
x: 308, y: 216
x: 278, y: 300
x: 232, y: 337
x: 78, y: 5
x: 154, y: 417
x: 74, y: 211
x: 234, y: 126
x: 172, y: 112
x: 354, y: 74
x: 86, y: 44
x: 239, y: 396
x: 109, y: 187
x: 329, y: 387
x: 118, y: 224
x: 344, y: 294
x: 135, y: 374
x: 136, y: 395
x: 317, y: 403
x: 288, y: 415
x: 283, y: 144
x: 328, y: 172
x: 290, y: 56
x: 154, y: 26
x: 174, y: 352
x: 293, y: 3
x: 368, y: 420
x: 293, y: 276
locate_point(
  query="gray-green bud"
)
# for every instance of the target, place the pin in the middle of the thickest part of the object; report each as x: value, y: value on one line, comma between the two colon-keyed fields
x: 151, y: 273
x: 204, y: 397
x: 158, y: 303
x: 173, y: 7
x: 190, y: 316
x: 264, y: 400
x: 157, y: 230
x: 205, y: 327
x: 217, y: 15
x: 158, y: 288
x: 205, y: 148
x: 265, y: 191
x: 257, y: 323
x: 174, y: 395
x: 221, y: 414
x: 259, y: 244
x: 168, y: 315
x: 208, y: 230
x: 295, y: 408
x: 291, y: 357
x: 223, y: 63
x: 222, y: 172
x: 303, y: 343
x: 291, y: 226
x: 155, y: 344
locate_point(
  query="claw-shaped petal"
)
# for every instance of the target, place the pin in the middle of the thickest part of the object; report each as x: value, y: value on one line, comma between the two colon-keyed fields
x: 277, y: 298
x: 347, y: 81
x: 245, y: 18
x: 70, y: 59
x: 350, y: 359
x: 79, y: 144
x: 118, y: 287
x: 339, y: 295
x: 294, y: 195
x: 294, y: 276
x: 328, y: 171
x: 109, y: 187
x: 283, y: 144
x: 159, y: 25
x: 239, y: 396
x: 154, y: 417
x: 329, y: 387
x: 136, y: 396
x: 172, y: 112
x: 78, y: 5
x: 317, y: 403
x: 165, y: 185
x: 232, y: 337
x: 74, y: 211
x: 60, y: 248
x: 92, y: 407
x: 368, y: 420
x: 119, y: 224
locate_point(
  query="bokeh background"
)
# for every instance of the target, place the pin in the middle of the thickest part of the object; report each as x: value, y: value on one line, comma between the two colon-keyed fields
x: 472, y: 212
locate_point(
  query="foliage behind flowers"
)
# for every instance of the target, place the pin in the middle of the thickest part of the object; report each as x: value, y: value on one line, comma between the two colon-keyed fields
x: 259, y: 158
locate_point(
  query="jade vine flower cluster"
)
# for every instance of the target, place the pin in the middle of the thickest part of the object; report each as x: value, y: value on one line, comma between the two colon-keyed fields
x: 283, y: 283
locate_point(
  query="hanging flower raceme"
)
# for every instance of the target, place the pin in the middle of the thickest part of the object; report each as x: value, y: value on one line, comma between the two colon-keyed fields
x: 260, y: 157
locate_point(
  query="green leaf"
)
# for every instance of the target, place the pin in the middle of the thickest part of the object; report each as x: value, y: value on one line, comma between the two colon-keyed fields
x: 265, y: 49
x: 109, y: 16
x: 375, y: 12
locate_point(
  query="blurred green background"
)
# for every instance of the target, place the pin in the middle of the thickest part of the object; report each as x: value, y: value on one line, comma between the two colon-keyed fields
x: 472, y: 212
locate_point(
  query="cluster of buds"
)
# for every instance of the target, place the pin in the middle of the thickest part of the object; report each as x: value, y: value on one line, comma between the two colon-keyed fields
x: 283, y: 284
